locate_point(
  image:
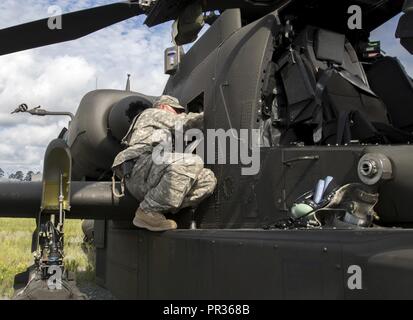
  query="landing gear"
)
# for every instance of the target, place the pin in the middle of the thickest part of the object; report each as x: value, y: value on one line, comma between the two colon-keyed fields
x: 48, y: 279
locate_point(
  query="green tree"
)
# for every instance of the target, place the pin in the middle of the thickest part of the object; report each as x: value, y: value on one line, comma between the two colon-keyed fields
x: 29, y: 176
x: 19, y: 175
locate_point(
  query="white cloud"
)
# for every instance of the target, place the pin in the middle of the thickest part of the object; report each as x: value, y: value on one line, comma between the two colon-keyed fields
x: 58, y: 76
x: 52, y: 81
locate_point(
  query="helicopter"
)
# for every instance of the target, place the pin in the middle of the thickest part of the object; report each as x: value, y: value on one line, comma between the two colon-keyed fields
x: 320, y: 96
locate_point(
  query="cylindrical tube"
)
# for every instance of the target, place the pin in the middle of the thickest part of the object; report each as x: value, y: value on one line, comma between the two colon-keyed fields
x: 90, y: 200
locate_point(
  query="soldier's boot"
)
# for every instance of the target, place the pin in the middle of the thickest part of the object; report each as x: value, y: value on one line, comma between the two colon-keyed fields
x: 153, y: 221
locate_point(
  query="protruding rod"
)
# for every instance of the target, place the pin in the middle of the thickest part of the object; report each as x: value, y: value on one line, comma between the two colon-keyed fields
x: 128, y: 89
x: 61, y: 199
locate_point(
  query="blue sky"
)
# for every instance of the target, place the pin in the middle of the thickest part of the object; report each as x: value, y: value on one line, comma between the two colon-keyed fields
x: 58, y: 76
x: 391, y: 45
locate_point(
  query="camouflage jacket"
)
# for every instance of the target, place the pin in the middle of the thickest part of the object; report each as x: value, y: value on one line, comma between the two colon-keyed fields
x: 152, y: 128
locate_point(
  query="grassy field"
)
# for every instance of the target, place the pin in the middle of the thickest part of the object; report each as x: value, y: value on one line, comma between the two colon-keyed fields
x: 16, y: 256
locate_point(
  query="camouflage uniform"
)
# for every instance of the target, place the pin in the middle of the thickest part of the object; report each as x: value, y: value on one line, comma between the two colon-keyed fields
x: 179, y: 182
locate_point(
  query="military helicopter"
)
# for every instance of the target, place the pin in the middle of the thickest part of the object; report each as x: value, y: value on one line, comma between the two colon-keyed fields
x: 327, y: 102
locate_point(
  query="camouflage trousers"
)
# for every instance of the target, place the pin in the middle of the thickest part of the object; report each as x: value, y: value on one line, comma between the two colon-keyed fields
x: 179, y: 182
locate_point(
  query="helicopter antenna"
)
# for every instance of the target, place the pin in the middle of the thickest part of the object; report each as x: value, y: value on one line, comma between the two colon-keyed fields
x: 128, y: 84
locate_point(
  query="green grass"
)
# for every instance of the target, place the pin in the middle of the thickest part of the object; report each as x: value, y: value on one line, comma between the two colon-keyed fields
x: 16, y: 256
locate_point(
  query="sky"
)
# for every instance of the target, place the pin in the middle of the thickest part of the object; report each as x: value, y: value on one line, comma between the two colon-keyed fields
x: 57, y: 77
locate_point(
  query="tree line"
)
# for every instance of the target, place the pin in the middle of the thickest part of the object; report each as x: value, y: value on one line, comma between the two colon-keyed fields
x: 19, y: 175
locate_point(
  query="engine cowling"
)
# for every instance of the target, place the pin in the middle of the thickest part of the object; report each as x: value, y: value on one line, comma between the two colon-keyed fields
x: 102, y: 120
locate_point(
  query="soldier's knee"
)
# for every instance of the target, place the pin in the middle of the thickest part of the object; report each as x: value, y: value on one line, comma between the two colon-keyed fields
x: 209, y: 179
x: 209, y: 175
x: 197, y: 159
x: 190, y: 164
x: 190, y: 160
x: 197, y: 164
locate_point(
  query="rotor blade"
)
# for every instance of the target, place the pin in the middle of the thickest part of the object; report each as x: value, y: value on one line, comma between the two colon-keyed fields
x: 74, y: 25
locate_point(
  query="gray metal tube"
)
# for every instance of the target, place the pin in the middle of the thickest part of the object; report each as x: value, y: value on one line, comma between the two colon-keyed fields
x: 90, y: 200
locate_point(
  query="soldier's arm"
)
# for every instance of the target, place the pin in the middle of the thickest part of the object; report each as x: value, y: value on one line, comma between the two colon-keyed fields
x: 193, y: 121
x: 187, y: 121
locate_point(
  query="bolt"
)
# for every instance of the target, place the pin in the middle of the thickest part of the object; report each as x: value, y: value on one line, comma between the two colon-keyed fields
x: 369, y: 168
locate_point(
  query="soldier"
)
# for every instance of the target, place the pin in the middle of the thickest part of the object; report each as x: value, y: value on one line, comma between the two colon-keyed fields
x: 178, y: 181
